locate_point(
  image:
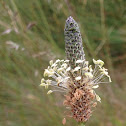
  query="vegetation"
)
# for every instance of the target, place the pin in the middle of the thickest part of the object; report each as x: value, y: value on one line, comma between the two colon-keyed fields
x: 32, y: 33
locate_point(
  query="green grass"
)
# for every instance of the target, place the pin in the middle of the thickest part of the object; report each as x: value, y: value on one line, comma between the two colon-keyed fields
x: 102, y: 24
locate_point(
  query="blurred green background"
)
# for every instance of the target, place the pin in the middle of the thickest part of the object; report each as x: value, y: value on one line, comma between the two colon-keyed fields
x: 32, y: 33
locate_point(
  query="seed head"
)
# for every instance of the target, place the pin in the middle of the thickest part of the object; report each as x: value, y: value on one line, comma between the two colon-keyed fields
x: 75, y: 77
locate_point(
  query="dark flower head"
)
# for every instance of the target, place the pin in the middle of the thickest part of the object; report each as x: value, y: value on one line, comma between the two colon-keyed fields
x: 71, y: 25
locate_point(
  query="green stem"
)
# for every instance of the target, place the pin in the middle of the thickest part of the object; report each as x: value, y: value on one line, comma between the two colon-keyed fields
x: 81, y: 124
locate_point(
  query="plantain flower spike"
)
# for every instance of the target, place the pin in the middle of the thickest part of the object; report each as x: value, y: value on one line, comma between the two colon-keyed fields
x: 75, y: 77
x: 73, y: 42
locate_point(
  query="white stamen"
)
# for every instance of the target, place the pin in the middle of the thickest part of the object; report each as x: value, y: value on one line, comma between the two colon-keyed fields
x: 54, y: 65
x: 98, y: 98
x: 88, y: 74
x: 90, y: 68
x: 66, y: 61
x: 98, y: 62
x: 79, y: 61
x: 68, y: 69
x: 76, y: 68
x: 51, y: 62
x: 64, y: 65
x: 49, y: 92
x: 42, y: 84
x: 60, y: 70
x: 85, y: 68
x: 96, y: 86
x: 48, y: 81
x: 86, y: 63
x: 42, y: 80
x: 78, y: 78
x: 57, y: 61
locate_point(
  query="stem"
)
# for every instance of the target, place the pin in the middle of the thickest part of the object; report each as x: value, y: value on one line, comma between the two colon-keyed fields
x: 81, y: 124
